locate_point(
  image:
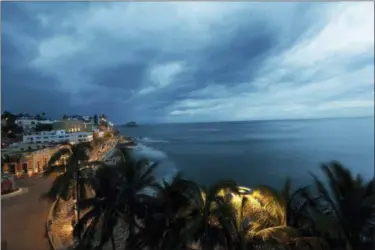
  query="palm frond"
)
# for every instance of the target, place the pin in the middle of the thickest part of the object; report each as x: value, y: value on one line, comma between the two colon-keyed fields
x: 150, y: 170
x: 280, y: 233
x: 59, y: 153
x: 81, y: 224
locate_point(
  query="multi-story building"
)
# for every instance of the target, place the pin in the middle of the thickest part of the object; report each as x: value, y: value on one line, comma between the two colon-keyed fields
x: 88, y: 118
x: 57, y: 136
x: 74, y: 126
x: 23, y: 147
x: 28, y: 124
x: 84, y: 118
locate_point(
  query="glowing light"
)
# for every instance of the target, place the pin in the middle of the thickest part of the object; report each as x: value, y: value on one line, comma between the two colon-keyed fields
x: 67, y: 228
x: 244, y: 190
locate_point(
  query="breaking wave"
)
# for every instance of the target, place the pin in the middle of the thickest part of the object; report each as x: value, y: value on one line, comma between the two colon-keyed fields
x: 150, y: 140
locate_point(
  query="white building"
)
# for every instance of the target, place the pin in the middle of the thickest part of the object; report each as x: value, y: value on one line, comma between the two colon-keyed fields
x: 57, y: 136
x: 26, y: 124
x: 87, y: 118
x: 30, y: 124
x: 46, y: 122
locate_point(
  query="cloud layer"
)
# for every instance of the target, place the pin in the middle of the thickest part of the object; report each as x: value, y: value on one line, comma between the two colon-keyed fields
x: 186, y: 62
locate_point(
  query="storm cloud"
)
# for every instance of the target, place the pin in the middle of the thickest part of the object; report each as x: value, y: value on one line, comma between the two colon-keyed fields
x: 187, y: 62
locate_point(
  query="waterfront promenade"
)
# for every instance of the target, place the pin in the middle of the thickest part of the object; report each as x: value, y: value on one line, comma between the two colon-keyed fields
x: 23, y: 217
x: 60, y: 237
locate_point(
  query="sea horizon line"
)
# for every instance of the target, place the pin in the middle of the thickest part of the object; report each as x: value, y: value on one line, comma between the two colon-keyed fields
x: 255, y: 120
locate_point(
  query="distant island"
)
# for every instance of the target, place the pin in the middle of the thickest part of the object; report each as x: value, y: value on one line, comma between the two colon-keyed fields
x: 131, y: 124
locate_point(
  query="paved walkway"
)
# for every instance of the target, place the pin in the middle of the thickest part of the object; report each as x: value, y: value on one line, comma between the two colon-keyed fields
x: 20, y: 191
x: 23, y: 217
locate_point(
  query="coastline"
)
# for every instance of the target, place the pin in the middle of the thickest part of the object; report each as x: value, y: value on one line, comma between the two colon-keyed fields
x: 56, y: 241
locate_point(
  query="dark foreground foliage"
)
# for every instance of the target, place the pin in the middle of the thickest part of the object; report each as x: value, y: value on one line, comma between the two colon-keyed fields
x: 336, y: 213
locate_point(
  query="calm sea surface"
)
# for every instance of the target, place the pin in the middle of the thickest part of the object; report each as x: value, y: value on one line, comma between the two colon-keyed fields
x: 258, y: 152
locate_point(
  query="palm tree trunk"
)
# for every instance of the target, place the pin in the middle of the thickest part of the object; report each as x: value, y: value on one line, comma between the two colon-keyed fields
x: 348, y: 246
x: 131, y: 230
x: 113, y: 242
x: 78, y: 200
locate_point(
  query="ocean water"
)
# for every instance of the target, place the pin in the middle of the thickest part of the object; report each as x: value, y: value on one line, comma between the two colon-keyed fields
x: 257, y: 152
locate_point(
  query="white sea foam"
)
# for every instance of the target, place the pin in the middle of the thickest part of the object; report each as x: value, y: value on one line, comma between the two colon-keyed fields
x: 204, y: 129
x: 166, y: 167
x: 150, y: 140
x: 152, y: 154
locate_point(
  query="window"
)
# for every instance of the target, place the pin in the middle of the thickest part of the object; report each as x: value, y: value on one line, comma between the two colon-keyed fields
x: 45, y: 137
x: 38, y: 137
x: 38, y: 141
x: 61, y: 136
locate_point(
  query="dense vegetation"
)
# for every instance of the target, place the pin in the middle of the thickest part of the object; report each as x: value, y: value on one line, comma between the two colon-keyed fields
x: 337, y: 213
x: 10, y: 129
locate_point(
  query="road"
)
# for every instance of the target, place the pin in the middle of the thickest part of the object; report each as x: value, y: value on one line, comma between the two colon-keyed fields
x: 23, y: 217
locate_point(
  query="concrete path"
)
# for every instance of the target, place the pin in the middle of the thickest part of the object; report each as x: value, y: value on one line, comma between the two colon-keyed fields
x: 23, y: 217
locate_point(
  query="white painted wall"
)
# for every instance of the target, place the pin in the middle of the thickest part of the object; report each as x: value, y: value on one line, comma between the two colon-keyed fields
x: 58, y: 136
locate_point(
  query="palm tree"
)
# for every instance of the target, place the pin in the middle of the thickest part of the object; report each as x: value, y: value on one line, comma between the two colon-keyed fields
x: 234, y: 218
x: 204, y: 225
x: 102, y: 215
x: 346, y: 206
x: 69, y: 184
x: 119, y: 194
x: 282, y: 217
x: 166, y: 215
x: 136, y: 176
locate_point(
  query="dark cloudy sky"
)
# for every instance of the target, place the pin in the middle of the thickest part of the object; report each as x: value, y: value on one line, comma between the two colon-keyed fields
x: 181, y: 62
